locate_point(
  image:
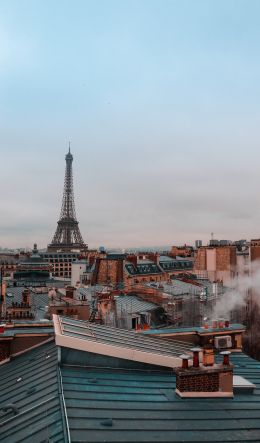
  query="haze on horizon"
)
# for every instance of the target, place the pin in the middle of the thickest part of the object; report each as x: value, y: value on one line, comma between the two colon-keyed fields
x: 160, y: 100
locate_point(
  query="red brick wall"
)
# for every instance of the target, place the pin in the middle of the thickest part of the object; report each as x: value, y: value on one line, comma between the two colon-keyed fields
x: 255, y: 250
x: 207, y: 382
x: 225, y: 258
x: 200, y: 260
x: 110, y: 271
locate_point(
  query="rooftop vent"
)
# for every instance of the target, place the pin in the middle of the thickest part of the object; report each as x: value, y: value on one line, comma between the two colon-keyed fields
x: 242, y: 386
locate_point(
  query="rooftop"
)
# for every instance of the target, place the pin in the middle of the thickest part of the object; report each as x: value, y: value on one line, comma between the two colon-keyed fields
x: 132, y: 304
x: 129, y: 406
x: 31, y: 408
x: 196, y: 330
x: 38, y: 301
x: 29, y: 330
x: 43, y: 400
x: 115, y: 342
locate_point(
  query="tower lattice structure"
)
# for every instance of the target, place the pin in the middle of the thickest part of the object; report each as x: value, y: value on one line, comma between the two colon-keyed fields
x: 67, y: 235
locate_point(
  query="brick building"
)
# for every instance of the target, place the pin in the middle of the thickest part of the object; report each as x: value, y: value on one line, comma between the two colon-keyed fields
x: 69, y: 303
x: 255, y: 249
x: 181, y: 251
x: 216, y: 263
x: 129, y: 270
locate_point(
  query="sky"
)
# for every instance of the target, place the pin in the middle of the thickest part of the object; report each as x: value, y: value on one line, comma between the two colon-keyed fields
x: 160, y: 100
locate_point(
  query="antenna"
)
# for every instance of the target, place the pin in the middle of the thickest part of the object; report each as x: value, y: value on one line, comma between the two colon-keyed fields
x: 69, y: 147
x: 212, y: 235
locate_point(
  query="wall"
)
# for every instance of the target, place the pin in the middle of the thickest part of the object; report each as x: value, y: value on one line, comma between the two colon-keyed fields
x: 81, y: 312
x: 108, y: 271
x: 21, y: 343
x: 255, y: 250
x: 216, y: 263
x: 77, y: 269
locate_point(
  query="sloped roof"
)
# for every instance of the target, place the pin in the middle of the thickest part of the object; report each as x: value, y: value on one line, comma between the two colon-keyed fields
x: 116, y: 405
x: 134, y: 305
x: 30, y: 383
x: 118, y: 343
x: 139, y: 406
x: 38, y: 301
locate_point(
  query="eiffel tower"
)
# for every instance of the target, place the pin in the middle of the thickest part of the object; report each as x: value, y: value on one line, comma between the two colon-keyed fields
x: 67, y: 235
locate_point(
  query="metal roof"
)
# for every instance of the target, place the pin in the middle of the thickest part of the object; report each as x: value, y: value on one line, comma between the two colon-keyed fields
x: 143, y: 268
x: 38, y: 301
x: 131, y: 304
x: 30, y: 384
x: 195, y: 329
x: 115, y: 342
x: 12, y: 332
x: 138, y: 406
x: 179, y: 287
x: 116, y: 405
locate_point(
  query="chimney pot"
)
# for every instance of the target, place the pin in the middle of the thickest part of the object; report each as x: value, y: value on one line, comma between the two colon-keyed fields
x: 214, y: 324
x: 225, y: 358
x: 185, y: 359
x: 196, y: 361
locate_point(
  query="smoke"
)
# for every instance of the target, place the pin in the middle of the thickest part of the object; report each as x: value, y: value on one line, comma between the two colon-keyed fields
x: 240, y: 288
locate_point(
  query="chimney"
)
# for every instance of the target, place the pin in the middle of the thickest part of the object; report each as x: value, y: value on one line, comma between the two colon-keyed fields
x: 132, y: 258
x: 204, y: 381
x: 196, y: 352
x: 208, y: 355
x: 70, y: 291
x: 185, y: 361
x: 26, y: 297
x: 155, y: 257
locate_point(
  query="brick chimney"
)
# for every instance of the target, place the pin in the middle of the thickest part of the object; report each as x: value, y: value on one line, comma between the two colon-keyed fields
x: 26, y: 297
x: 198, y: 380
x: 154, y: 256
x: 132, y: 258
x: 70, y: 291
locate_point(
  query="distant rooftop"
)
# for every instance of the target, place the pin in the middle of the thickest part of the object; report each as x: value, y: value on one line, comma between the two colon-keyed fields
x: 132, y: 304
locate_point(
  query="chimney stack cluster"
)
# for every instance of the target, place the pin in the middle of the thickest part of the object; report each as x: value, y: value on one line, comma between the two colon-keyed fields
x: 197, y: 380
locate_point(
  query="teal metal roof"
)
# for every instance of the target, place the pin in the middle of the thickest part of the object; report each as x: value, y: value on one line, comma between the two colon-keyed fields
x: 117, y: 405
x: 11, y: 332
x: 30, y: 383
x: 141, y: 406
x: 195, y: 330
